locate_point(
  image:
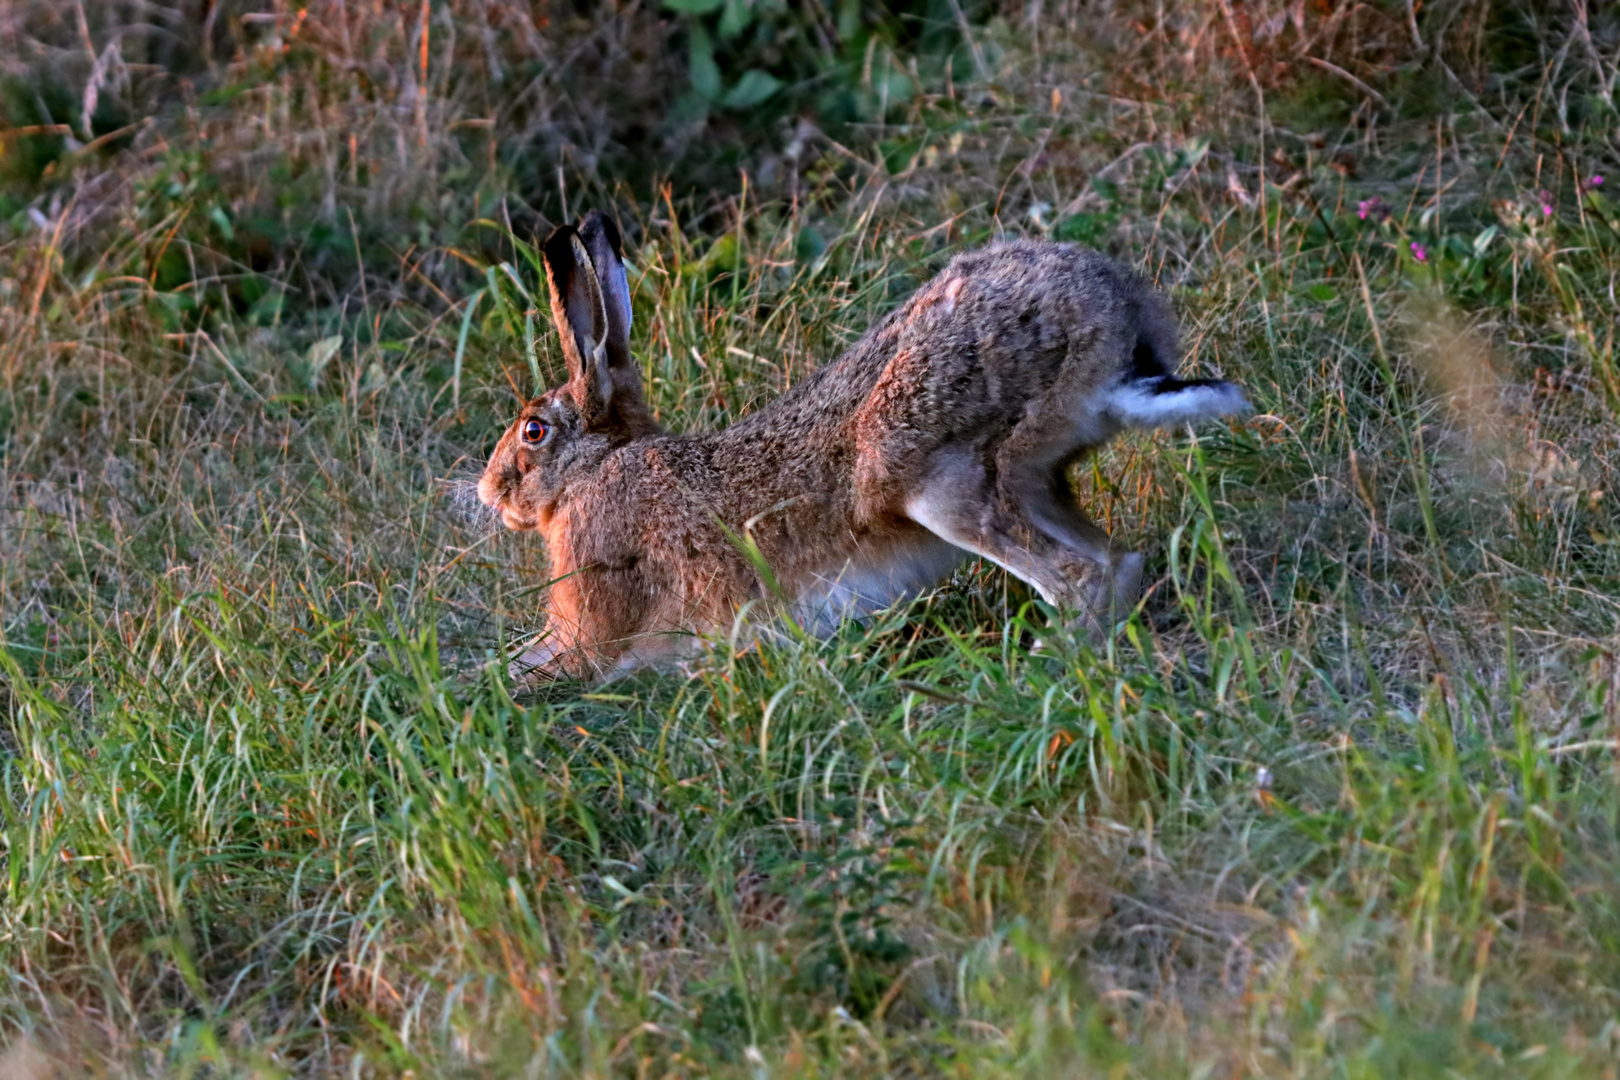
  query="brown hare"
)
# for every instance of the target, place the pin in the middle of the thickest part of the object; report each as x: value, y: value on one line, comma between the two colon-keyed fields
x: 947, y: 431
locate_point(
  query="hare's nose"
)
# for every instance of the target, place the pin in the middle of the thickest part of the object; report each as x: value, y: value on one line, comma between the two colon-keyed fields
x: 489, y: 489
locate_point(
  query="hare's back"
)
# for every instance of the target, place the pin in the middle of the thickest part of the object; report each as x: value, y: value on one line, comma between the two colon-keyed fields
x: 1001, y: 326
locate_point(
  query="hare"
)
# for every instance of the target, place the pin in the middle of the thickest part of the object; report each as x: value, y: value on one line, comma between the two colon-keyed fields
x: 946, y: 432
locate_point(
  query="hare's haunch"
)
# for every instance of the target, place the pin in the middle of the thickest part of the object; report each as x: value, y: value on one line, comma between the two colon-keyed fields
x: 947, y: 431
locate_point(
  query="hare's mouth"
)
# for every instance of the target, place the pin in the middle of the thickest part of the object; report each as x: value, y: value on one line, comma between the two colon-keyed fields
x: 512, y: 518
x: 493, y: 496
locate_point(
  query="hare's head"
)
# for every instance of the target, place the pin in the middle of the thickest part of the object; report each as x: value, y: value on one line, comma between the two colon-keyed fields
x: 561, y: 435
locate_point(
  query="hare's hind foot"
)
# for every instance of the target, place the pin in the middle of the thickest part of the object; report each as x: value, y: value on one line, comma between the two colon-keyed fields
x: 1124, y: 588
x: 1050, y: 546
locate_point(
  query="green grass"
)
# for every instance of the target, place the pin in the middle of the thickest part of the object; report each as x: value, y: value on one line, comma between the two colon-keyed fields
x: 1342, y: 800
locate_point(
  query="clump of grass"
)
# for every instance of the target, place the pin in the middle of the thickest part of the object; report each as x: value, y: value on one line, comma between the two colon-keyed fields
x: 1341, y: 798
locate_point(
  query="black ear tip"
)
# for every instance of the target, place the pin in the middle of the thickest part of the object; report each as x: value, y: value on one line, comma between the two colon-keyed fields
x: 598, y: 222
x: 557, y: 248
x: 559, y: 255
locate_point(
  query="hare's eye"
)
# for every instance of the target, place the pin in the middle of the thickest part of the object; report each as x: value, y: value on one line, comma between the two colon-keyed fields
x: 533, y: 431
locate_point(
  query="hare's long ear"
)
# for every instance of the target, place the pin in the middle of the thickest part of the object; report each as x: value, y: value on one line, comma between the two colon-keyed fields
x: 601, y: 239
x: 582, y: 321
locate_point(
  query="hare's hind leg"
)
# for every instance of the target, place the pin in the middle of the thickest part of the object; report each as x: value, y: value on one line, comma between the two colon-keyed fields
x: 1032, y: 467
x: 1044, y: 492
x: 960, y: 504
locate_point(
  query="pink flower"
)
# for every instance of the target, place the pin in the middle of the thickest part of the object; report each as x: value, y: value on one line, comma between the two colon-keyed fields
x: 1546, y: 202
x: 1372, y: 208
x: 1419, y: 252
x: 1594, y: 181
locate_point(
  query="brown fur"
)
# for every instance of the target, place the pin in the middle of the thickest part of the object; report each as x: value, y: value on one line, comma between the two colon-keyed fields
x: 948, y: 429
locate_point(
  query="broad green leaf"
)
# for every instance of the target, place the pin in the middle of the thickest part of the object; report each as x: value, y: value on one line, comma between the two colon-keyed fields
x: 810, y: 244
x: 722, y: 254
x: 700, y: 63
x: 900, y: 154
x: 266, y: 310
x: 754, y: 88
x: 736, y: 18
x: 222, y: 222
x: 321, y: 353
x: 849, y: 19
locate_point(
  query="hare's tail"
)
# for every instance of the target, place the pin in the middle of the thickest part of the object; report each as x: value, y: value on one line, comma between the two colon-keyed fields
x: 1150, y: 397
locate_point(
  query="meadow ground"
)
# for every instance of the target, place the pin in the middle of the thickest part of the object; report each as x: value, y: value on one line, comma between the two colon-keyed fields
x: 1341, y: 799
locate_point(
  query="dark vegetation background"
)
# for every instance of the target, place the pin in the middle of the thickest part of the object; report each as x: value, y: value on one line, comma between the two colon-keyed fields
x: 1340, y: 801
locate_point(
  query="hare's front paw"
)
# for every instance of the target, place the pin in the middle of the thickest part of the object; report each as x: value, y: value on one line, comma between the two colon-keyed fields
x: 536, y: 665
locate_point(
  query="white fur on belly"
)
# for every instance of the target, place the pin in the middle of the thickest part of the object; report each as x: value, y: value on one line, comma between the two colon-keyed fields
x: 863, y: 587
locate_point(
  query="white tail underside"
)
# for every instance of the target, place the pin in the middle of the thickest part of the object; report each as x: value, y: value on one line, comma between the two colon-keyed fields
x: 1141, y: 403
